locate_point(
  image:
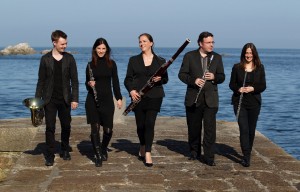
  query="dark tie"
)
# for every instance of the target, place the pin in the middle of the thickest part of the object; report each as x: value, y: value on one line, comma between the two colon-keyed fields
x: 204, y: 64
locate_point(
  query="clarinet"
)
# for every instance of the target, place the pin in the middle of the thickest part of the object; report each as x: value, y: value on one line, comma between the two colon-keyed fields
x: 241, y: 98
x: 207, y: 70
x: 94, y: 88
x: 150, y: 83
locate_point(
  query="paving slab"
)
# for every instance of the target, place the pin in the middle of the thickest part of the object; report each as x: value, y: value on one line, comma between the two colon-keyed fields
x: 272, y: 169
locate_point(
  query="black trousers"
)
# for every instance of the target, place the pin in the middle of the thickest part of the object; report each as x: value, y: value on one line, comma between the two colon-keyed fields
x: 64, y: 114
x: 194, y: 117
x: 247, y: 125
x: 145, y: 116
x: 145, y: 122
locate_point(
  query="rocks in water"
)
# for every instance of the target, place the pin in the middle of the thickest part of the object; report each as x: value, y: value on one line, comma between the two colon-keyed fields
x: 25, y: 49
x: 48, y: 50
x: 45, y: 51
x: 19, y: 49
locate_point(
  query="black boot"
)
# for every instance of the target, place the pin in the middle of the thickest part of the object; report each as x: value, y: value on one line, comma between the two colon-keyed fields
x: 98, y: 161
x: 97, y: 149
x: 107, y: 134
x: 246, y: 161
x: 64, y: 151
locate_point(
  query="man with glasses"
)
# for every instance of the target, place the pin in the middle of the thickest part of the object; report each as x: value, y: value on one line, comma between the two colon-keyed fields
x: 202, y: 70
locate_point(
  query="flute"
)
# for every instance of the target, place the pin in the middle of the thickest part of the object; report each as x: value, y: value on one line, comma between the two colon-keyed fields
x: 241, y: 98
x: 207, y: 70
x: 93, y: 88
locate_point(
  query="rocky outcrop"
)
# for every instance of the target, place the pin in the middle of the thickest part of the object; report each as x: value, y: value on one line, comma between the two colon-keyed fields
x: 48, y: 50
x: 45, y: 51
x: 19, y: 49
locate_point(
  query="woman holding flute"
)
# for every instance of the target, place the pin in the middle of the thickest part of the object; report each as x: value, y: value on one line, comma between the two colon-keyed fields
x: 247, y: 83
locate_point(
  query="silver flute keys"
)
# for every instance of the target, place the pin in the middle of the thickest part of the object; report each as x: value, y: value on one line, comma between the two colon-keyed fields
x: 93, y: 87
x: 207, y: 70
x: 241, y: 98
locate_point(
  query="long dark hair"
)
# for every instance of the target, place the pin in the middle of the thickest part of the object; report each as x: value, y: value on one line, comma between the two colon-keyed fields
x: 150, y: 38
x: 256, y: 60
x: 95, y: 56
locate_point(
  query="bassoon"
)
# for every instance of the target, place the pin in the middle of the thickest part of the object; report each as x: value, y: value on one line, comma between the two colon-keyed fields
x: 150, y: 83
x: 93, y: 88
x: 207, y: 70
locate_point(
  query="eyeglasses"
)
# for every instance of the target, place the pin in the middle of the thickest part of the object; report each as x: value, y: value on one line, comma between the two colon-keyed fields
x: 210, y: 42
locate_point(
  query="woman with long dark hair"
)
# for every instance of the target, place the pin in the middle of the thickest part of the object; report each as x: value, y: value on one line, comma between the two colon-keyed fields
x: 101, y: 79
x: 247, y: 83
x: 140, y: 68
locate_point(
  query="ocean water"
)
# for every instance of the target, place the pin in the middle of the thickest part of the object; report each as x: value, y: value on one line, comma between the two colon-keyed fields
x: 280, y: 114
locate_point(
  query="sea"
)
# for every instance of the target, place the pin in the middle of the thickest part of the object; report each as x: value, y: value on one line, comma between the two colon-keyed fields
x: 279, y: 119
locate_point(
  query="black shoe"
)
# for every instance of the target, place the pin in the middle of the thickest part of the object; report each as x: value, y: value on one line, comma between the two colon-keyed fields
x: 49, y: 162
x: 104, y: 155
x: 98, y: 162
x: 65, y: 155
x: 245, y: 162
x: 210, y: 162
x: 141, y: 158
x: 148, y: 164
x: 193, y: 156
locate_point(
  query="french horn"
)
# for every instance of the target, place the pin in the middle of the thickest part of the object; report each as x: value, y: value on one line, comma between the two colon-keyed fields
x: 36, y: 106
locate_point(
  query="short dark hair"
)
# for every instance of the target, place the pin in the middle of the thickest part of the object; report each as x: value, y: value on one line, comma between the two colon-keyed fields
x: 57, y: 34
x: 203, y: 35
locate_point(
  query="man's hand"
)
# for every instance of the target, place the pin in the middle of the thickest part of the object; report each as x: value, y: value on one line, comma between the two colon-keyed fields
x: 74, y: 105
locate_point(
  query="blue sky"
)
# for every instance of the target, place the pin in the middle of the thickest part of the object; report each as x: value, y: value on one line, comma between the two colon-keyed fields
x: 266, y: 23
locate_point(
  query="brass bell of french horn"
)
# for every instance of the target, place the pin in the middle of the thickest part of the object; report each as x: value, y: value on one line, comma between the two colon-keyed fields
x: 36, y: 106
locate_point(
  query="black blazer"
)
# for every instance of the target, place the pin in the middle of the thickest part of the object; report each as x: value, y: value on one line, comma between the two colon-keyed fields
x: 237, y: 79
x: 45, y: 84
x: 191, y: 69
x: 137, y: 75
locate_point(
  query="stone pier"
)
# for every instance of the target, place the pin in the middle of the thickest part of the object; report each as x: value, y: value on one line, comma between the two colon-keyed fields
x: 22, y: 162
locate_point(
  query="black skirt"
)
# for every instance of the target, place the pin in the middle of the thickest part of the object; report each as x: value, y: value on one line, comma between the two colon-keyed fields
x: 103, y: 115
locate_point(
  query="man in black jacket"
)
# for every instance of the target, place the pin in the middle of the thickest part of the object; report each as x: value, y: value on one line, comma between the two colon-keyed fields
x: 202, y: 70
x: 58, y: 86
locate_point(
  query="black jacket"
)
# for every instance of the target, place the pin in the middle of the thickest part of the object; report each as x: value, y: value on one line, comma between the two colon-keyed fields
x: 237, y: 79
x: 137, y: 76
x: 191, y: 69
x: 44, y: 88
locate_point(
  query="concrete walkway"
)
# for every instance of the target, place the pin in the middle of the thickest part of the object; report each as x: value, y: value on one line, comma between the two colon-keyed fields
x: 272, y: 169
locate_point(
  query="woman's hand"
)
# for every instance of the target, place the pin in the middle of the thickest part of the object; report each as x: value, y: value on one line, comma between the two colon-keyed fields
x: 91, y: 83
x: 119, y: 104
x: 246, y: 89
x: 156, y: 78
x: 135, y: 95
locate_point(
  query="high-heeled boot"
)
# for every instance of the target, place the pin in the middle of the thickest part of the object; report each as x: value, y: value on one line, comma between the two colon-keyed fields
x: 97, y: 149
x: 107, y: 134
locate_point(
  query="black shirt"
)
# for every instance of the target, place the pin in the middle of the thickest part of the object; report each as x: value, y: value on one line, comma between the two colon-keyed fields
x: 57, y: 86
x: 249, y: 101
